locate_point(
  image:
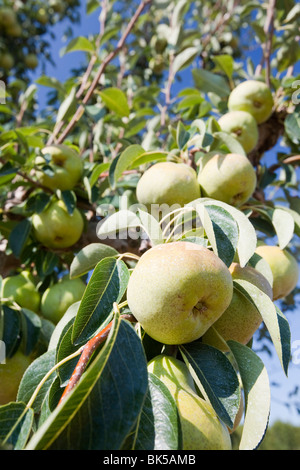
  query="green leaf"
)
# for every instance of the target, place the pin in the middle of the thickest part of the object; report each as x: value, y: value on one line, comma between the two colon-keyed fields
x: 210, y: 82
x: 292, y: 127
x: 149, y: 157
x: 221, y: 230
x: 106, y: 286
x: 127, y: 159
x: 216, y: 378
x: 70, y: 200
x: 16, y: 423
x: 256, y: 388
x: 88, y: 257
x: 182, y: 136
x: 115, y: 99
x: 50, y: 82
x: 33, y: 376
x: 78, y: 44
x: 231, y: 143
x: 115, y: 404
x: 225, y: 62
x: 19, y: 236
x: 117, y: 222
x: 158, y: 427
x: 31, y: 329
x: 10, y: 322
x: 284, y: 224
x: 151, y: 226
x: 184, y: 58
x: 247, y: 241
x: 101, y: 168
x: 67, y: 107
x: 273, y: 318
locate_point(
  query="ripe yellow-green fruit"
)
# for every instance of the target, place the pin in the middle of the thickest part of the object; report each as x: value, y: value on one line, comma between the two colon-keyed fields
x: 168, y: 183
x: 21, y: 288
x: 66, y: 165
x: 14, y: 30
x: 178, y: 290
x: 42, y: 16
x: 31, y: 61
x: 201, y: 427
x: 242, y: 126
x: 56, y: 228
x: 241, y: 319
x: 57, y: 5
x: 11, y: 374
x: 254, y: 97
x: 59, y: 297
x: 229, y: 178
x: 6, y: 60
x: 157, y: 64
x: 284, y: 268
x: 7, y: 16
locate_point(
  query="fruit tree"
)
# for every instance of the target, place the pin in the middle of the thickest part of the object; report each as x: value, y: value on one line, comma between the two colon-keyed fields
x: 150, y: 222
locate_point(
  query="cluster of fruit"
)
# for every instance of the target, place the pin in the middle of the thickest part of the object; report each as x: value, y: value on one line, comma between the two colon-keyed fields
x: 9, y: 22
x: 179, y: 291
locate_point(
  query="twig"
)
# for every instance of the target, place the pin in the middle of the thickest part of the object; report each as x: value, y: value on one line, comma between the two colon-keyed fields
x: 80, y: 110
x: 86, y: 354
x: 289, y: 160
x: 269, y: 31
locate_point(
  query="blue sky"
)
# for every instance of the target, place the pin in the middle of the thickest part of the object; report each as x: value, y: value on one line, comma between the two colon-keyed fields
x: 90, y: 25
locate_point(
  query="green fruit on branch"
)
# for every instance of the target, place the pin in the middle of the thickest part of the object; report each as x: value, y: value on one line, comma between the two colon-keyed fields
x: 178, y: 290
x: 14, y: 30
x: 58, y: 298
x: 7, y: 16
x: 201, y: 427
x: 57, y: 6
x: 241, y: 319
x: 21, y: 289
x: 229, y: 178
x: 11, y: 374
x: 57, y: 229
x: 42, y: 16
x: 157, y: 64
x: 66, y: 165
x: 242, y: 126
x: 168, y: 183
x: 31, y: 61
x: 254, y: 97
x: 6, y: 60
x: 284, y: 268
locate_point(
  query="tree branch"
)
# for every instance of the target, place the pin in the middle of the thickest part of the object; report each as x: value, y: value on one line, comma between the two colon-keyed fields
x: 80, y: 110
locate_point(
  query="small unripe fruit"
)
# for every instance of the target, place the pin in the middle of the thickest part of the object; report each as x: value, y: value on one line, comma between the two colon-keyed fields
x: 241, y: 319
x: 11, y: 374
x: 56, y: 228
x: 31, y: 61
x: 252, y: 96
x: 284, y: 268
x: 242, y: 126
x: 168, y: 183
x: 229, y: 178
x: 6, y: 61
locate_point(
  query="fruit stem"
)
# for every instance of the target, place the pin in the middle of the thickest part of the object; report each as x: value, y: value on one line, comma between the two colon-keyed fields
x: 128, y: 255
